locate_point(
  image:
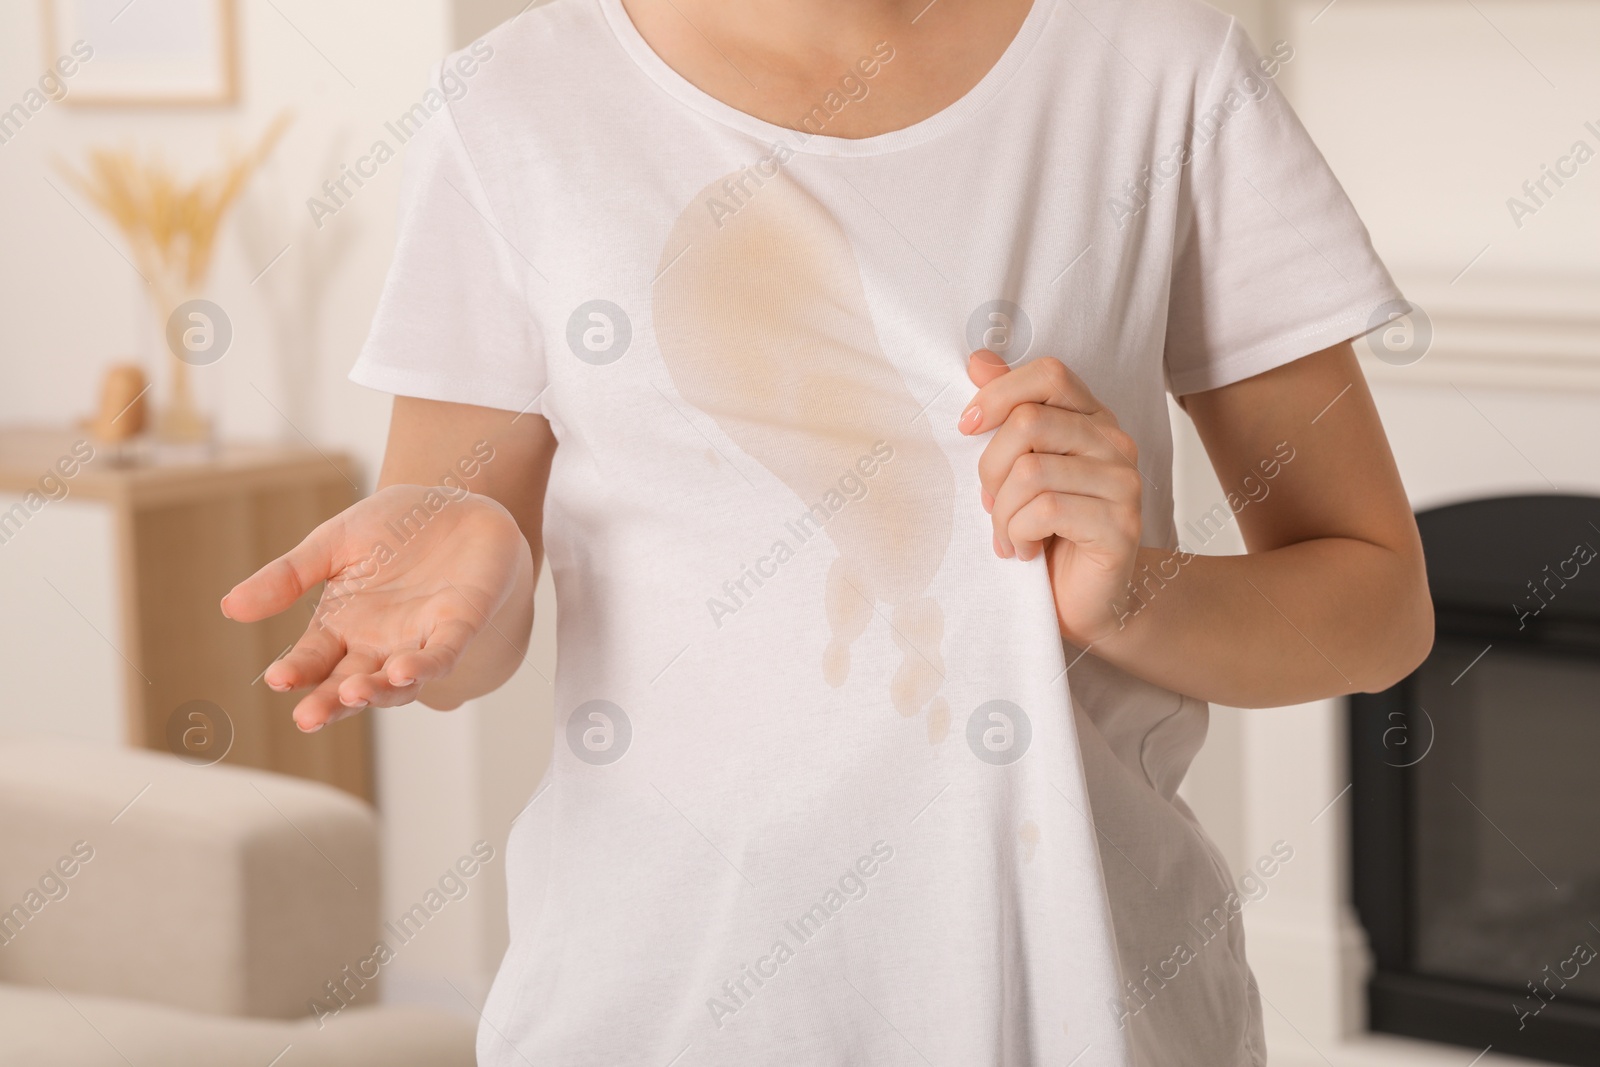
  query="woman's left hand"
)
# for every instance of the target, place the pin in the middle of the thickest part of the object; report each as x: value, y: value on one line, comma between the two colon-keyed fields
x: 1059, y: 476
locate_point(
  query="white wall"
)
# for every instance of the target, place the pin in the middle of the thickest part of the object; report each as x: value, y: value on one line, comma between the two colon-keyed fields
x: 471, y: 19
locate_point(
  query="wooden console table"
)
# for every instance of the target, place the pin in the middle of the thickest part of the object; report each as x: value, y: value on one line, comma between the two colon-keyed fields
x: 181, y: 534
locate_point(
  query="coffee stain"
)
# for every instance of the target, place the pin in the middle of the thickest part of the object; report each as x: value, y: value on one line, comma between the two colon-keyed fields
x: 938, y: 721
x: 1028, y: 834
x: 762, y: 321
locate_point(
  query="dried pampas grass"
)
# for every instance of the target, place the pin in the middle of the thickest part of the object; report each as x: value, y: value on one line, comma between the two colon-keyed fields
x: 171, y: 227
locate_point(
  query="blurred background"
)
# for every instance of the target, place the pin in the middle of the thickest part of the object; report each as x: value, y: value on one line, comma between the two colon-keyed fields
x: 223, y: 154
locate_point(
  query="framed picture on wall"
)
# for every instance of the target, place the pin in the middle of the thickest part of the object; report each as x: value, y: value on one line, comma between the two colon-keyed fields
x: 145, y: 52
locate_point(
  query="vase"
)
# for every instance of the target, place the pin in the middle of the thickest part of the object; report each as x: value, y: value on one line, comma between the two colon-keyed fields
x: 179, y: 420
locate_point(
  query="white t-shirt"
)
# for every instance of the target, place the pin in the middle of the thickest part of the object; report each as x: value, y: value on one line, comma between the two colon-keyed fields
x: 824, y: 771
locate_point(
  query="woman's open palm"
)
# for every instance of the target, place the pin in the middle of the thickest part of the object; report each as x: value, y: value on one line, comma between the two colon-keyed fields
x: 413, y: 575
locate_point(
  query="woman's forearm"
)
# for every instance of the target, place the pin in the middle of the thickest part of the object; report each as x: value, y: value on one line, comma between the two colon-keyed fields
x: 1303, y: 622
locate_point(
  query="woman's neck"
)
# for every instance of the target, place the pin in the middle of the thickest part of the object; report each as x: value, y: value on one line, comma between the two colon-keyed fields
x: 780, y: 59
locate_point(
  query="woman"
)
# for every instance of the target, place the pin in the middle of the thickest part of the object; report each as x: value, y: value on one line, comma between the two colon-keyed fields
x: 822, y: 347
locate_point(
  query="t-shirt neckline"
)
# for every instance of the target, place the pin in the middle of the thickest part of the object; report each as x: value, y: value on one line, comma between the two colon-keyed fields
x: 686, y: 92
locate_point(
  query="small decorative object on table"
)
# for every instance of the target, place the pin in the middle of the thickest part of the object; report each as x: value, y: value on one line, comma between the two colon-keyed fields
x: 123, y: 414
x: 171, y: 228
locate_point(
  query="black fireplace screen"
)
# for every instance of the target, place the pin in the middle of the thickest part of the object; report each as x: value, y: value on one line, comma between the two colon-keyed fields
x: 1476, y: 827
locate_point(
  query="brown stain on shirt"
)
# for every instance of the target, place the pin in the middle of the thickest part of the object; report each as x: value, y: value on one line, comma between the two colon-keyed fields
x: 763, y: 324
x: 1028, y: 838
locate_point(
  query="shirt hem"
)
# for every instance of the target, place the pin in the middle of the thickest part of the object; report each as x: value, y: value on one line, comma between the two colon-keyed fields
x: 425, y: 386
x: 1283, y: 349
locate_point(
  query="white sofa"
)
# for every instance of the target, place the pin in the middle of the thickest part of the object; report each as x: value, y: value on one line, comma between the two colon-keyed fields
x: 155, y: 912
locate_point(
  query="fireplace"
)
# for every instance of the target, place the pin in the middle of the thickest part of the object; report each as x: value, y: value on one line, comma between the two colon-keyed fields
x: 1475, y: 826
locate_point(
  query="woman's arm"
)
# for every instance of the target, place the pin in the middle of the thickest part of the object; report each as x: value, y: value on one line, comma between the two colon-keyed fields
x: 429, y: 582
x: 1332, y: 596
x: 425, y: 437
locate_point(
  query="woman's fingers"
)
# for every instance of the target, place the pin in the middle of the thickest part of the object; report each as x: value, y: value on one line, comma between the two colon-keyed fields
x: 1054, y: 443
x: 1090, y: 523
x: 1039, y: 381
x: 287, y: 578
x: 435, y: 659
x: 375, y: 673
x: 347, y: 682
x: 1041, y: 428
x: 983, y: 367
x: 1035, y: 475
x: 311, y: 659
x: 323, y: 704
x: 401, y: 677
x: 374, y: 690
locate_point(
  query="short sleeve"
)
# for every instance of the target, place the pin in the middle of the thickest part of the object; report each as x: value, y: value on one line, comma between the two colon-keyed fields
x: 1274, y: 263
x: 454, y: 321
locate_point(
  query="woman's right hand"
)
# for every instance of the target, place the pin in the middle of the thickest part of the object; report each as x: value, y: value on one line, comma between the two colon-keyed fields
x: 414, y: 576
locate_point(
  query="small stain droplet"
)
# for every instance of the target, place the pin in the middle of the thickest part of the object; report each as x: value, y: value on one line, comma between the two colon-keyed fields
x: 938, y: 721
x: 1028, y: 834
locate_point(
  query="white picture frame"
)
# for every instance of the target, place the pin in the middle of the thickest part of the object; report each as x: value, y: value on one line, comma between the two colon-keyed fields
x: 145, y: 52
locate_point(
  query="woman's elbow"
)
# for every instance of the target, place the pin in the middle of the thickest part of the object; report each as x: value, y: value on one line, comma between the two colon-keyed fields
x: 1404, y: 644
